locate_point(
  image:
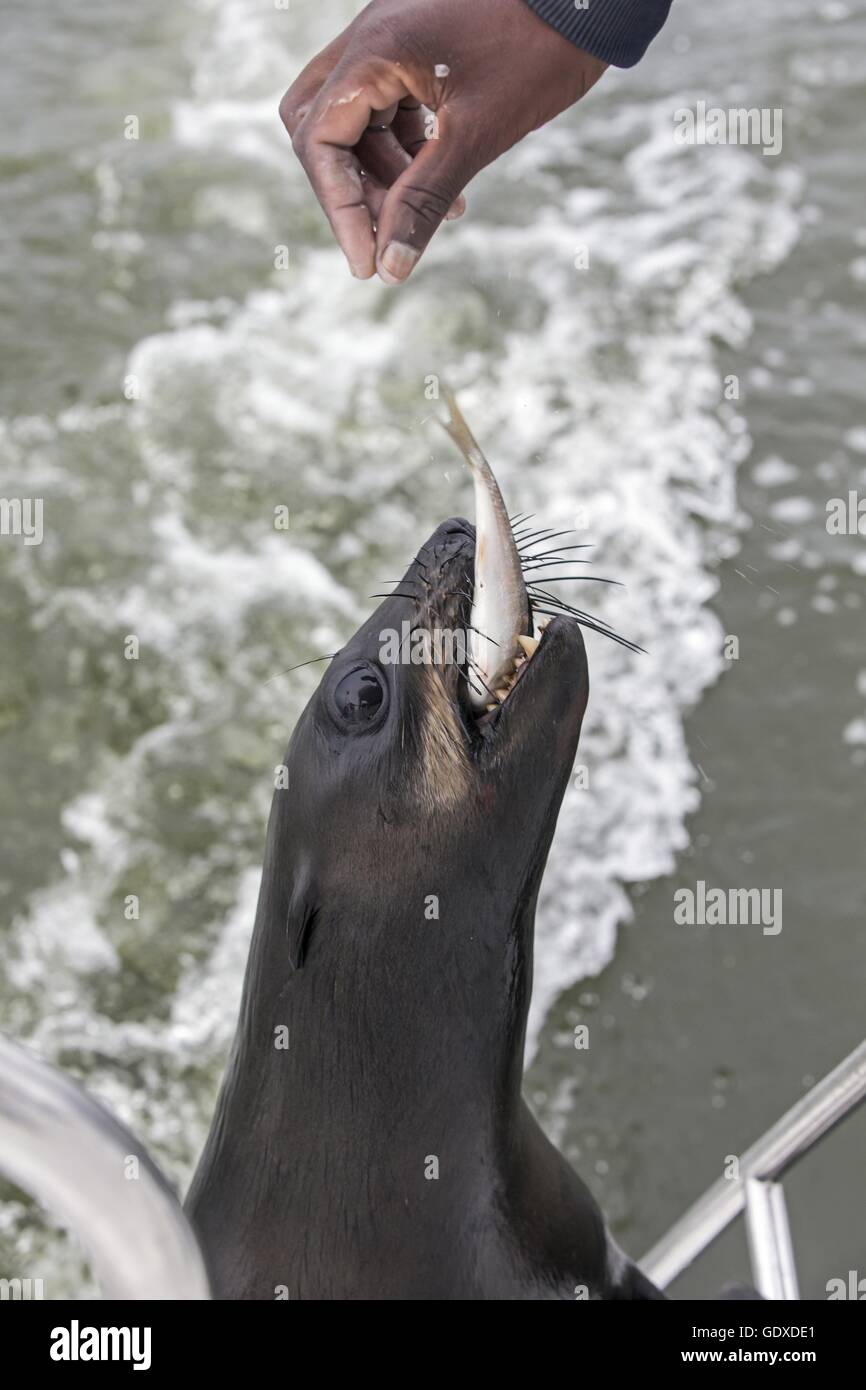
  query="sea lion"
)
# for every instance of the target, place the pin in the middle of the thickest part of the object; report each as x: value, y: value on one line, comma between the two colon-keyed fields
x: 370, y: 1140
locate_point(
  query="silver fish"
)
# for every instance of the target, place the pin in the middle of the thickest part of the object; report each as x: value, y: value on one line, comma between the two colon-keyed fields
x: 500, y: 607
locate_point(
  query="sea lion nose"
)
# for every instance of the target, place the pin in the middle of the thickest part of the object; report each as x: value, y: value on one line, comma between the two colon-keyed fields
x: 458, y: 525
x: 451, y: 537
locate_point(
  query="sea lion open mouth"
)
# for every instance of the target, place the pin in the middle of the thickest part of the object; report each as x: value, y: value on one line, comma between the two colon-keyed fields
x: 429, y: 644
x: 498, y: 603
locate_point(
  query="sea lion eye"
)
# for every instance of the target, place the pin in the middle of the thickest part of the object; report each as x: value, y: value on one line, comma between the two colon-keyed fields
x: 359, y: 696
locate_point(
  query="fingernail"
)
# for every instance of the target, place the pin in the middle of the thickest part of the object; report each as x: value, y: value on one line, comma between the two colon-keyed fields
x: 396, y: 262
x: 457, y: 209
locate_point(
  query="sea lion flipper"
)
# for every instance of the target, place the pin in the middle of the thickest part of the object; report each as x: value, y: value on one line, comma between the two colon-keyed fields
x: 300, y: 916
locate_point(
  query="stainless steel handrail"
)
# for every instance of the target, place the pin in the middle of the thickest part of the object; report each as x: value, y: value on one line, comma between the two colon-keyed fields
x: 63, y: 1147
x: 756, y: 1190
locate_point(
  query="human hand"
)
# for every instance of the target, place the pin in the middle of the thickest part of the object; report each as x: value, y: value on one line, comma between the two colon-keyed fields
x: 395, y: 116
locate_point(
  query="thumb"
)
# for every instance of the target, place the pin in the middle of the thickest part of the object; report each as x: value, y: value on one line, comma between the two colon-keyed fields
x: 418, y: 201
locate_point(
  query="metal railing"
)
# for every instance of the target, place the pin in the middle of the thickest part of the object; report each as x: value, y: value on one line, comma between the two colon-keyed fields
x: 757, y: 1189
x: 63, y: 1147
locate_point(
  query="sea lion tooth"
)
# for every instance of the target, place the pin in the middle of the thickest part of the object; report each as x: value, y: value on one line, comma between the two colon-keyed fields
x: 488, y: 708
x: 529, y: 644
x: 502, y: 693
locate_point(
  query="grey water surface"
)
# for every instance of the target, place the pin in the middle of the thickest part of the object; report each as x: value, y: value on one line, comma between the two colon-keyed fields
x: 165, y: 388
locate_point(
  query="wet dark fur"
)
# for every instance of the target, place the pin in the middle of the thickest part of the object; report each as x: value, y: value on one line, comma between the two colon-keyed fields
x: 406, y: 1034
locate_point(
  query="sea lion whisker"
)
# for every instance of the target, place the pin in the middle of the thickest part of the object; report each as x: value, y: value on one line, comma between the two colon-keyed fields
x: 544, y: 597
x: 470, y: 628
x: 585, y: 620
x: 479, y: 677
x: 539, y: 531
x: 582, y: 578
x: 537, y: 537
x: 329, y: 656
x: 547, y: 597
x: 545, y: 562
x: 540, y: 554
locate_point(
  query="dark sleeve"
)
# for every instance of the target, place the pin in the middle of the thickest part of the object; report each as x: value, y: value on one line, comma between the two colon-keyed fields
x: 616, y: 31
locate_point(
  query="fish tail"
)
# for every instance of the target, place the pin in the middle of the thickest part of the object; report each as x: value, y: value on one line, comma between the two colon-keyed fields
x: 458, y: 430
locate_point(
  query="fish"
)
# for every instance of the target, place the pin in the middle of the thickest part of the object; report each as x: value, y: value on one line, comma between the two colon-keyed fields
x: 500, y: 630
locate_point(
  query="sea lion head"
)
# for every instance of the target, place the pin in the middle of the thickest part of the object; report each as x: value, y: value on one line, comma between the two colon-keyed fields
x: 405, y: 815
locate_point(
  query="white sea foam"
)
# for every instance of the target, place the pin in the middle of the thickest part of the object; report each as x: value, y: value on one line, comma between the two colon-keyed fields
x: 773, y: 472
